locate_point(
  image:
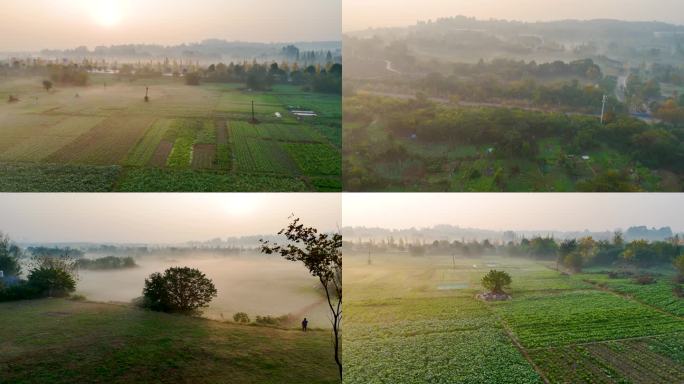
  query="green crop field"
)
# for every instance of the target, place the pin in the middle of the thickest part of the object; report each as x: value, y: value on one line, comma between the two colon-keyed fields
x: 205, y: 131
x: 61, y: 341
x: 416, y: 320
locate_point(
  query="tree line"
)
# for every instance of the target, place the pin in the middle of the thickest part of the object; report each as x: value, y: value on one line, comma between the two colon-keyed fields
x: 573, y: 254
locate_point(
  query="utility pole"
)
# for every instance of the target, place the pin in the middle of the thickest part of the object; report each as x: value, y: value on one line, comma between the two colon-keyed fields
x: 369, y: 253
x: 253, y: 119
x: 603, y: 108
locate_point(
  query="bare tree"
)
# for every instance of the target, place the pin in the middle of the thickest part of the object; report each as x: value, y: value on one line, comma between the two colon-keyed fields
x: 321, y: 253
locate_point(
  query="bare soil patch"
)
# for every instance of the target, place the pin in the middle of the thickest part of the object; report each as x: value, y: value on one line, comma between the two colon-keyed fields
x: 161, y: 154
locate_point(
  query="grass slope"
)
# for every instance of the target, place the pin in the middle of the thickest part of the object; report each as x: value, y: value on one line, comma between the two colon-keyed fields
x: 61, y: 341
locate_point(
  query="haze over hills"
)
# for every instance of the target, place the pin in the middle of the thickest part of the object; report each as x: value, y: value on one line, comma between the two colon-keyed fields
x: 209, y: 50
x: 454, y: 232
x: 249, y: 241
x: 470, y: 39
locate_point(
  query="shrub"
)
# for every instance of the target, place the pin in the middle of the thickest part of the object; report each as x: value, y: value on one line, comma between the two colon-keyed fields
x: 271, y: 320
x: 192, y: 78
x: 645, y: 280
x: 76, y: 297
x: 679, y: 264
x: 619, y: 275
x: 678, y: 291
x: 496, y: 281
x: 183, y: 290
x: 51, y: 282
x: 20, y: 291
x: 241, y: 317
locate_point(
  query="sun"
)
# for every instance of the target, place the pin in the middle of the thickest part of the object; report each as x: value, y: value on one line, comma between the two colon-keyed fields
x: 240, y: 204
x: 107, y: 13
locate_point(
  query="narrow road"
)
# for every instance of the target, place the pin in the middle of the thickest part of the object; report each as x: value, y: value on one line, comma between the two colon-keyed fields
x: 621, y: 87
x: 389, y: 67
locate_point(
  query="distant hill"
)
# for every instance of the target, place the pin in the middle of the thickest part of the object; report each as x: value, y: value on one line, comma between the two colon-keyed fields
x: 468, y: 39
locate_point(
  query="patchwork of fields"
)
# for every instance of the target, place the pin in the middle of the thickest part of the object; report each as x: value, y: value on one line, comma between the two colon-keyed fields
x: 185, y: 139
x: 415, y: 320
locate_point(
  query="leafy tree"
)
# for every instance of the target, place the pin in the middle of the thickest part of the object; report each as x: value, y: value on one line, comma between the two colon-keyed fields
x: 639, y: 252
x: 321, y: 253
x: 679, y: 265
x: 181, y: 290
x: 572, y: 253
x: 566, y: 248
x: 192, y: 78
x: 573, y: 261
x: 9, y: 256
x: 47, y: 84
x: 417, y: 250
x: 51, y: 281
x: 241, y: 317
x: 495, y: 281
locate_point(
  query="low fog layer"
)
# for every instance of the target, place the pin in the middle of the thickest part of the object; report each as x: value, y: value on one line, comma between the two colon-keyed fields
x: 255, y: 284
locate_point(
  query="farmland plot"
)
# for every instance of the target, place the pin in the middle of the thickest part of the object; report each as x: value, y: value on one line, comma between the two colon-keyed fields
x: 316, y: 159
x: 546, y: 320
x: 107, y: 143
x: 36, y: 146
x: 16, y: 129
x: 416, y: 320
x: 633, y: 361
x: 108, y: 123
x: 57, y: 178
x: 658, y: 295
x: 437, y: 340
x: 147, y: 146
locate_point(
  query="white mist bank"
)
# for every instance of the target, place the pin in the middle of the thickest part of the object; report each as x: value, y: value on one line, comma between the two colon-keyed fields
x: 255, y: 284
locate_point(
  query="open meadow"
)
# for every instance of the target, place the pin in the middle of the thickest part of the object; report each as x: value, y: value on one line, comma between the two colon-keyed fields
x: 105, y: 137
x: 416, y: 320
x: 62, y: 341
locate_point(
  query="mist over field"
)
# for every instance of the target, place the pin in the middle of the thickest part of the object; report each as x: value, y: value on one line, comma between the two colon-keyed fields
x: 253, y: 283
x: 193, y: 287
x: 503, y: 288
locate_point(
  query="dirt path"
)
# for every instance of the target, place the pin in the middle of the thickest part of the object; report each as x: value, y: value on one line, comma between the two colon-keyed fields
x: 390, y: 68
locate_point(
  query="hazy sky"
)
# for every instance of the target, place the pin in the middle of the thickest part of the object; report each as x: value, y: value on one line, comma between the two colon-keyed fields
x: 362, y: 14
x: 502, y: 211
x: 159, y: 218
x: 37, y: 24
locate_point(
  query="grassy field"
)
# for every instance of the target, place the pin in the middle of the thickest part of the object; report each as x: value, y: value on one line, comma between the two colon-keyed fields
x: 416, y: 320
x: 203, y: 130
x: 60, y: 341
